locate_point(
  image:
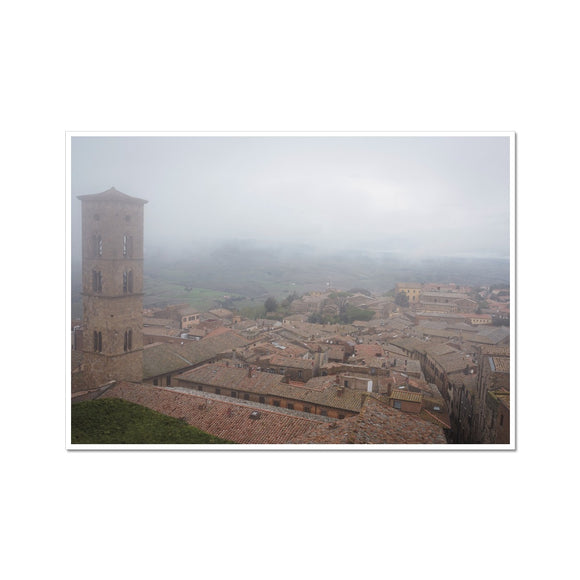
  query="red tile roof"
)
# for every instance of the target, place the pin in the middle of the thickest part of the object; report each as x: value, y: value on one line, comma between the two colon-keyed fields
x: 237, y: 421
x: 226, y: 419
x: 406, y: 396
x: 318, y: 392
x: 376, y: 424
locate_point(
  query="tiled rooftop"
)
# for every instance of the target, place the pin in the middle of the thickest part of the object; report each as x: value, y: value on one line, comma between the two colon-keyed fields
x: 406, y: 396
x: 368, y: 350
x: 319, y: 392
x: 495, y: 350
x: 502, y: 364
x: 454, y: 362
x: 229, y: 419
x: 376, y: 424
x: 162, y: 358
x: 292, y: 363
x: 448, y: 295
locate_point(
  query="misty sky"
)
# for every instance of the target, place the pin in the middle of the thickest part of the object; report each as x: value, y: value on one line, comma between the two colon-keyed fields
x: 427, y: 195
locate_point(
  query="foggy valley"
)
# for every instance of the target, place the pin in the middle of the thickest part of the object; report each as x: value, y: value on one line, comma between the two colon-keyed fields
x: 250, y: 271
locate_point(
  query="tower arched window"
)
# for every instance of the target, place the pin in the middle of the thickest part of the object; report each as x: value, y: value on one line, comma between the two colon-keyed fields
x: 97, y: 341
x: 97, y: 281
x: 128, y: 282
x: 128, y: 340
x: 127, y: 246
x: 97, y: 246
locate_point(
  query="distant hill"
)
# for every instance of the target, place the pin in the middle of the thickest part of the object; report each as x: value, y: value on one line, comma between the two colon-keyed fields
x: 255, y: 271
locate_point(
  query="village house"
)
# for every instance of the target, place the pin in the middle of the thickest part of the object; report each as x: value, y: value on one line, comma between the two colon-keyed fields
x: 294, y: 369
x: 382, y: 307
x: 438, y: 287
x: 162, y: 330
x: 377, y: 423
x: 408, y: 366
x: 496, y: 425
x: 406, y: 401
x: 335, y: 353
x: 358, y: 383
x: 162, y: 360
x: 411, y: 289
x: 493, y: 391
x: 447, y: 302
x: 463, y: 406
x: 223, y: 313
x: 476, y: 319
x: 312, y: 303
x: 321, y: 396
x: 182, y: 314
x: 161, y: 363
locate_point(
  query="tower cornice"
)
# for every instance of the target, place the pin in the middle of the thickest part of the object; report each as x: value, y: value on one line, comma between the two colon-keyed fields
x: 112, y: 194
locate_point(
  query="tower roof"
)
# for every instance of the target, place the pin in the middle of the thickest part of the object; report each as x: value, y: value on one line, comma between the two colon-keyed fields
x: 111, y: 195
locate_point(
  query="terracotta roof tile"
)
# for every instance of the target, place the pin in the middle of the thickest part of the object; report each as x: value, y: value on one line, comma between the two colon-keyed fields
x: 232, y: 420
x: 406, y: 396
x: 376, y: 424
x: 320, y: 392
x: 244, y: 423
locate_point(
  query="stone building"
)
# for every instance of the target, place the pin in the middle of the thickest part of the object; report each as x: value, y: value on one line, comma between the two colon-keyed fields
x: 320, y: 396
x: 411, y: 290
x: 183, y: 315
x: 112, y: 287
x: 493, y: 388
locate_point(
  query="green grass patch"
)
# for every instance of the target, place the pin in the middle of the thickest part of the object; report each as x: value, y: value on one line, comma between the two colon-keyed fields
x: 199, y: 298
x: 115, y: 421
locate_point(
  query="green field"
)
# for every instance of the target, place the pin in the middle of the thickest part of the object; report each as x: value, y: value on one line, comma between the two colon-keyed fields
x: 160, y: 291
x: 114, y: 421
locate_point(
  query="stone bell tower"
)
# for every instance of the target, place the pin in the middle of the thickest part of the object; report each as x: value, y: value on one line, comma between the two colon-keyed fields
x: 112, y: 241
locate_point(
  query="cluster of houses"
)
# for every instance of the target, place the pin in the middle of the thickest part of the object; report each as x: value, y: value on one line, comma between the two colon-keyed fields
x: 444, y: 373
x: 484, y: 306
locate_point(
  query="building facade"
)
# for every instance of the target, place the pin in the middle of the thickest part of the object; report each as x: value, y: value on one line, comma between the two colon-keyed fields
x: 411, y: 290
